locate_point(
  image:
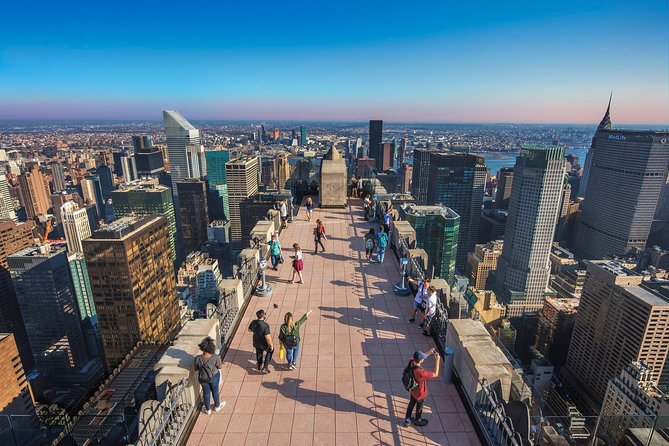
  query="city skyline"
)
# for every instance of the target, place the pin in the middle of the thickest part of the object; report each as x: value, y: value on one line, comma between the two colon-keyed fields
x: 482, y: 63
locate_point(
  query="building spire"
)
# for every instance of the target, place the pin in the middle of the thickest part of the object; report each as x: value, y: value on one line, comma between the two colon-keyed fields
x: 605, y: 124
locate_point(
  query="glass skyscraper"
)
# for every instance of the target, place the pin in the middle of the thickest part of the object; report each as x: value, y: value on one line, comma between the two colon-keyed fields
x: 218, y: 182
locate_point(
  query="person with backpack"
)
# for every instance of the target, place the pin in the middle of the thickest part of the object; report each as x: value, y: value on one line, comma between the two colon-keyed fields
x: 370, y: 244
x: 415, y: 379
x: 381, y: 245
x: 207, y: 365
x: 420, y: 301
x: 319, y: 235
x: 262, y: 341
x: 289, y: 336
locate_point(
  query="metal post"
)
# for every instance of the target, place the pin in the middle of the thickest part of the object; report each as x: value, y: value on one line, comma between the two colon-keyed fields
x: 402, y: 289
x: 265, y: 289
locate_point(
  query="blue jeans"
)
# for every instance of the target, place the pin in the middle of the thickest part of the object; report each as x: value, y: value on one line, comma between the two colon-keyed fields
x: 211, y: 388
x: 291, y: 354
x: 380, y: 253
x: 275, y: 260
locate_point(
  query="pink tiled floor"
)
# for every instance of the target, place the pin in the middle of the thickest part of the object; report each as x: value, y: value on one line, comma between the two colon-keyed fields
x: 347, y: 388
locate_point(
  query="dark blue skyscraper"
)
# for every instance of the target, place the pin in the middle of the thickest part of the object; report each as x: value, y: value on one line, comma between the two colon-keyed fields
x: 375, y: 139
x: 303, y: 136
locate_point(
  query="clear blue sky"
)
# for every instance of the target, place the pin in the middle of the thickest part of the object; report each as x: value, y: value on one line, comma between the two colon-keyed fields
x: 444, y: 60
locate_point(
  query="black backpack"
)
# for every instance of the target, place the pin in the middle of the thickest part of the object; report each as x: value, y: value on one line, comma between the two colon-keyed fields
x: 290, y: 341
x: 408, y: 378
x: 204, y: 374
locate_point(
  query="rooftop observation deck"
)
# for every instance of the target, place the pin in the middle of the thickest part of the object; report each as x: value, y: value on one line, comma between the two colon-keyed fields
x: 347, y: 387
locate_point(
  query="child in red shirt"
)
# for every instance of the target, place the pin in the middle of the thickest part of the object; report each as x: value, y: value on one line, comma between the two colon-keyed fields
x: 419, y: 394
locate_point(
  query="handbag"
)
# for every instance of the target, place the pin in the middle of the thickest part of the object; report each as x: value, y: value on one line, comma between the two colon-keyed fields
x: 281, y: 258
x: 282, y: 351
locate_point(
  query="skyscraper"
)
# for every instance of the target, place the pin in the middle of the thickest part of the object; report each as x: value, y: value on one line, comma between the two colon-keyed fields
x: 75, y: 225
x: 504, y: 183
x: 6, y: 203
x: 618, y: 321
x: 129, y: 168
x: 242, y: 178
x: 179, y: 134
x: 147, y: 197
x: 13, y: 238
x: 133, y: 283
x: 15, y: 395
x: 523, y: 269
x: 218, y: 186
x: 194, y: 212
x: 375, y: 139
x: 626, y: 172
x: 303, y: 136
x: 481, y: 261
x: 58, y: 174
x: 82, y: 285
x: 148, y: 159
x: 195, y: 161
x: 34, y: 192
x: 457, y: 180
x: 437, y: 229
x: 387, y: 154
x: 421, y: 175
x: 283, y: 171
x: 41, y: 277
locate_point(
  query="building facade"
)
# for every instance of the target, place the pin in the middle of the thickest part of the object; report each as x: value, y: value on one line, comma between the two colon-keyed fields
x: 75, y: 225
x: 179, y: 134
x: 34, y: 192
x: 481, y: 262
x: 242, y: 178
x: 194, y: 211
x: 375, y: 140
x: 523, y: 269
x: 504, y: 184
x: 15, y: 395
x: 133, y: 284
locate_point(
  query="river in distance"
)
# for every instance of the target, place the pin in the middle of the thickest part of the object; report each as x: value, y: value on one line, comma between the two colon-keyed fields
x: 495, y: 161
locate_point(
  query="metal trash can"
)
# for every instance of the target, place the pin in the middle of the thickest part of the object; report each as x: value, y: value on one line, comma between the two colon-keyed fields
x: 448, y: 365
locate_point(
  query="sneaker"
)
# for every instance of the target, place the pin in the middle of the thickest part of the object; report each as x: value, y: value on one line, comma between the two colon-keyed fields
x: 265, y: 370
x: 220, y: 406
x: 420, y: 423
x: 291, y: 366
x: 407, y: 422
x: 411, y: 321
x: 422, y: 324
x: 206, y: 411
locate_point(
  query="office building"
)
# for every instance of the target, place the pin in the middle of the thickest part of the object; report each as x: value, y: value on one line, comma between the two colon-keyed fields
x: 75, y: 225
x: 481, y: 261
x: 401, y: 154
x: 634, y: 395
x: 194, y: 211
x: 88, y: 191
x: 375, y: 139
x: 504, y: 183
x: 554, y: 329
x: 148, y: 159
x: 421, y: 175
x: 58, y: 175
x: 457, y: 180
x: 195, y: 161
x: 303, y: 136
x: 283, y: 171
x: 81, y: 285
x: 34, y: 193
x: 568, y: 283
x: 387, y: 154
x: 179, y: 134
x: 6, y: 202
x: 60, y: 198
x: 437, y: 230
x: 523, y: 269
x: 626, y: 171
x: 41, y: 277
x: 242, y: 178
x: 218, y: 187
x: 129, y: 168
x: 619, y: 321
x: 133, y: 283
x: 202, y: 276
x: 15, y: 395
x: 147, y: 197
x: 91, y: 187
x: 13, y: 238
x: 268, y: 174
x: 366, y: 167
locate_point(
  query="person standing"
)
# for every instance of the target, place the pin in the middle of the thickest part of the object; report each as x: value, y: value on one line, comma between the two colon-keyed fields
x: 370, y: 244
x: 381, y: 245
x: 283, y: 209
x: 289, y: 336
x: 310, y: 208
x: 367, y: 206
x: 319, y: 235
x: 262, y: 341
x: 387, y: 219
x: 207, y: 366
x: 298, y: 263
x: 274, y: 252
x: 420, y: 301
x: 419, y: 393
x: 430, y: 310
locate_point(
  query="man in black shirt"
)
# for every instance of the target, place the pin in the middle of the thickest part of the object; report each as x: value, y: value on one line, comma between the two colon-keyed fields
x: 262, y: 341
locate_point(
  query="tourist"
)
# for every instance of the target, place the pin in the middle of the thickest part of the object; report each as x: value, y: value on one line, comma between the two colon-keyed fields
x: 284, y: 213
x: 381, y: 245
x: 430, y: 310
x: 310, y: 208
x: 274, y: 252
x: 262, y: 341
x: 370, y: 244
x: 319, y: 235
x: 289, y: 336
x: 367, y: 206
x: 298, y: 264
x: 420, y: 301
x: 419, y: 393
x: 207, y: 365
x: 387, y: 218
